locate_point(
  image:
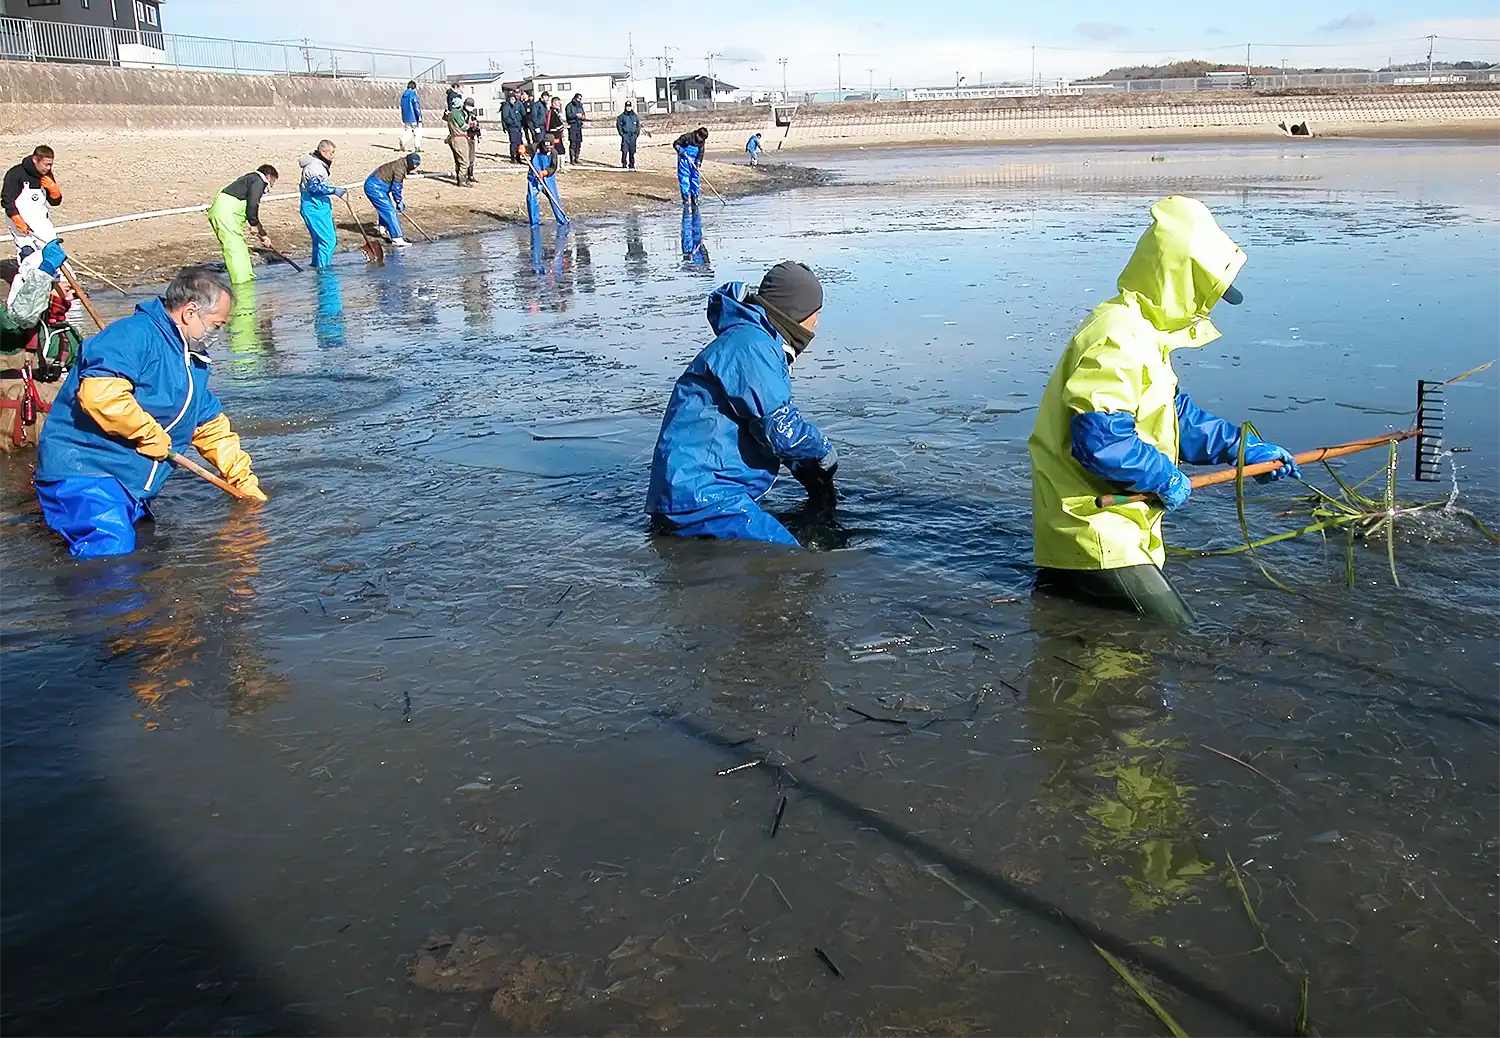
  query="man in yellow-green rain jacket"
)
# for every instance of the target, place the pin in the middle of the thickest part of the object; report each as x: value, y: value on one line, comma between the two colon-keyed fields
x: 1112, y: 420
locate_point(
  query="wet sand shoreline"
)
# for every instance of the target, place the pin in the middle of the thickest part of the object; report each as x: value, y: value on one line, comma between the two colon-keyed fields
x: 111, y: 175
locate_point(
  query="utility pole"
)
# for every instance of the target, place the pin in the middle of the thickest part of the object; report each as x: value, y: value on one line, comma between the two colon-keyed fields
x: 872, y: 83
x: 1033, y: 66
x: 531, y: 64
x: 841, y: 77
x: 1431, y: 41
x: 712, y: 82
x: 1247, y: 64
x: 307, y: 55
x: 782, y: 63
x: 629, y: 67
x: 666, y: 61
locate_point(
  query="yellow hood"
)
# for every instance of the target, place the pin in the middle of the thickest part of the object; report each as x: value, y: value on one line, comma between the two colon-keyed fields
x: 1182, y: 264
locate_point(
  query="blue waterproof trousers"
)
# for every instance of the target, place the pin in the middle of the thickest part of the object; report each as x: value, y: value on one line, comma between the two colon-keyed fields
x: 533, y: 207
x: 687, y: 171
x: 317, y: 213
x: 379, y: 194
x: 94, y: 514
x: 742, y: 521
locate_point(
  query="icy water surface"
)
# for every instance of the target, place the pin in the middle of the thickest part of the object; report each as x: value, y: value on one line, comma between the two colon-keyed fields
x: 438, y: 742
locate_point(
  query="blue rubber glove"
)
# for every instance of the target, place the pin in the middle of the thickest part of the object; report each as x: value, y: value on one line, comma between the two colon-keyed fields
x: 1258, y: 450
x: 400, y: 207
x: 53, y: 258
x: 339, y: 192
x: 1177, y: 491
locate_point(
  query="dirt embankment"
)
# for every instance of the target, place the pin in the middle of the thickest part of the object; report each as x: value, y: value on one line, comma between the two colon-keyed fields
x: 106, y: 175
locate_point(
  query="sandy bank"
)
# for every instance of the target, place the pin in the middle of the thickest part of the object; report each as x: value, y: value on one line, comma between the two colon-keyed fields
x: 106, y: 175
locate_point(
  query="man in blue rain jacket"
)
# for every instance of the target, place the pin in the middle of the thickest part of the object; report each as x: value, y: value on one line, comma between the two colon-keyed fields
x: 138, y: 394
x: 411, y: 118
x: 731, y: 423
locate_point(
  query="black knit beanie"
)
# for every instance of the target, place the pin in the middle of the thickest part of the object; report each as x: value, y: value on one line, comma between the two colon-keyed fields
x: 793, y: 289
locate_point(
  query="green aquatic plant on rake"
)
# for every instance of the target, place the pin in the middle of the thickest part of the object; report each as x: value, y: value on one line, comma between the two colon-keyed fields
x: 1349, y: 508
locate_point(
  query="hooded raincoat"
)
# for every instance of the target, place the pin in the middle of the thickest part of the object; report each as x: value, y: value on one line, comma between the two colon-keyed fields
x: 1111, y: 415
x: 317, y: 210
x: 729, y: 427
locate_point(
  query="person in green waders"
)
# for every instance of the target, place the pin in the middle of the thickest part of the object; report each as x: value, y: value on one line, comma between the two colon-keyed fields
x: 1112, y: 420
x: 235, y: 208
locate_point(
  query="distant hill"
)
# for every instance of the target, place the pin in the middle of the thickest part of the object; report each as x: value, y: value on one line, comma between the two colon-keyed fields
x: 1441, y: 66
x: 1194, y: 69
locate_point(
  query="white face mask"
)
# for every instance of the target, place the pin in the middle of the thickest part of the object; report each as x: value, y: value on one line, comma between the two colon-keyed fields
x: 208, y: 339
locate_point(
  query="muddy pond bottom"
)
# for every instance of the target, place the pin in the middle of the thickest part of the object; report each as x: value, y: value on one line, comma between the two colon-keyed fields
x: 440, y: 742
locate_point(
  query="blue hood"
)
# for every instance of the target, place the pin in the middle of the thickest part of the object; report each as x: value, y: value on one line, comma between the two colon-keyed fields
x: 727, y: 309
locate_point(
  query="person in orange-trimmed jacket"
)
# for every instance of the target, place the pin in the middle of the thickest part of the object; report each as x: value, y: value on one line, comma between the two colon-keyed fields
x: 137, y: 394
x: 29, y: 193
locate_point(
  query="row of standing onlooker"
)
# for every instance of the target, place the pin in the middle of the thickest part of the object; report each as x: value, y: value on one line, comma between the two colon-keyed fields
x: 526, y: 120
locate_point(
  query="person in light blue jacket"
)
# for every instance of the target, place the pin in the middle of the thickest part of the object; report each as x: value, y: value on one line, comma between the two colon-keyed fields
x: 731, y: 424
x: 316, y: 189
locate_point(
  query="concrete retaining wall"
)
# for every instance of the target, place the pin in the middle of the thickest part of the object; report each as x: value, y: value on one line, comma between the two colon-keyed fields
x: 41, y: 95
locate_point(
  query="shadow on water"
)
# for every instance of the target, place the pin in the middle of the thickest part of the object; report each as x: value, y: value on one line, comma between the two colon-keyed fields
x: 107, y: 931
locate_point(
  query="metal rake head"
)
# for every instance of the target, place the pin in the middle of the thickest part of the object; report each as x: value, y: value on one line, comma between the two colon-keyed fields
x: 1432, y: 406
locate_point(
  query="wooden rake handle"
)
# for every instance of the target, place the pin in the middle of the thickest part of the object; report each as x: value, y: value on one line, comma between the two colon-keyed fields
x: 203, y: 473
x: 82, y: 296
x: 1210, y: 479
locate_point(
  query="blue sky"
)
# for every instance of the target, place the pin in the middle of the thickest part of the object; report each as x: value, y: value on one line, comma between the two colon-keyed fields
x: 902, y: 42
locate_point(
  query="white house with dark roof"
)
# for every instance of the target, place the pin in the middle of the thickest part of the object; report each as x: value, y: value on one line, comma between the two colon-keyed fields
x: 604, y: 93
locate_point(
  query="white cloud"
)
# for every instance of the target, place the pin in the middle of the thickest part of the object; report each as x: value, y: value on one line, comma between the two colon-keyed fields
x: 1351, y: 22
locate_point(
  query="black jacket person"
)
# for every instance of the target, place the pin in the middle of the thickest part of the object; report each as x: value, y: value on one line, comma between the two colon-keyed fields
x: 576, y: 119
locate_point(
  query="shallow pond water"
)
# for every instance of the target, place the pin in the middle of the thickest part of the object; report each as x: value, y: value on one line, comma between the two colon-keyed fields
x: 438, y: 741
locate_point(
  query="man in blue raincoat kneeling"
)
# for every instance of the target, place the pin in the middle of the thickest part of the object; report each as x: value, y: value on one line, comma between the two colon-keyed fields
x: 731, y: 423
x: 137, y: 394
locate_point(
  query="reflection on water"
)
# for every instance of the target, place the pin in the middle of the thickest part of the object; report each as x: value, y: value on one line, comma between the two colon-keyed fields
x: 694, y: 250
x: 443, y: 683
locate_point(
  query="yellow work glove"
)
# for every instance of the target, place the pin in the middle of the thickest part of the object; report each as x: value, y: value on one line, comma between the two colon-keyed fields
x: 111, y: 403
x: 220, y: 444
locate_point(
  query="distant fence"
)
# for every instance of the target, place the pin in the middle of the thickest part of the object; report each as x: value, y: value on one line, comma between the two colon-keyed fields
x: 25, y: 39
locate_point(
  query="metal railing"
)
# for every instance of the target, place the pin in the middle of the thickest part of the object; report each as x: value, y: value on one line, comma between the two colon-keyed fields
x: 25, y: 39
